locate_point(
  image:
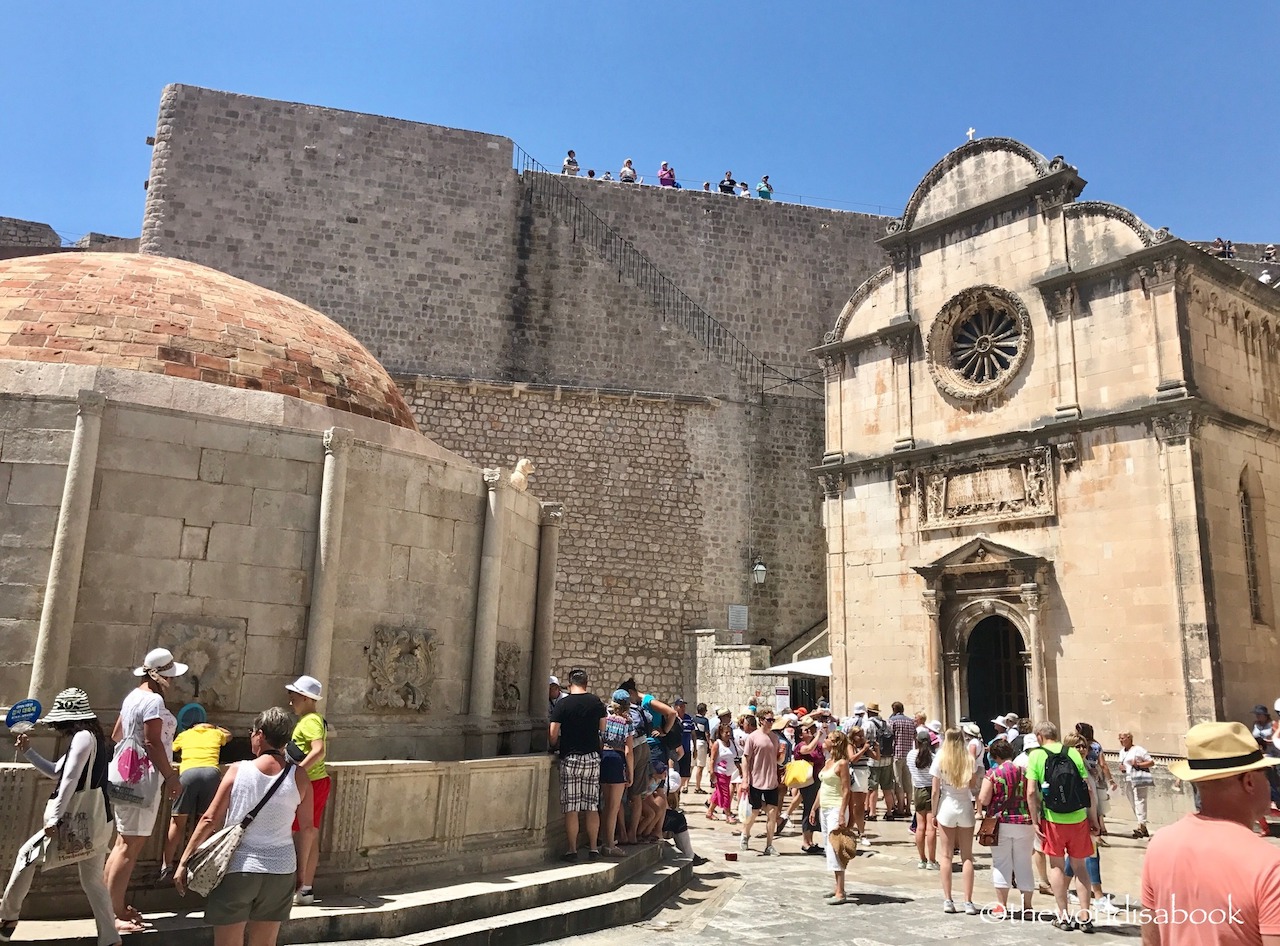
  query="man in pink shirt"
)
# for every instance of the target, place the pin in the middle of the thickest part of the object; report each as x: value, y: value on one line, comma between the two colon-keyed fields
x: 760, y: 761
x: 1208, y: 880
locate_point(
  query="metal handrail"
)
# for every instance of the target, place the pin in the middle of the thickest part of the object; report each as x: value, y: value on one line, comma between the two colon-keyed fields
x: 673, y: 304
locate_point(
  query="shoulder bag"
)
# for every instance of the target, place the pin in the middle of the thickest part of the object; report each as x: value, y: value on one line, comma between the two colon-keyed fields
x: 988, y: 833
x: 85, y: 827
x: 132, y: 779
x: 207, y: 866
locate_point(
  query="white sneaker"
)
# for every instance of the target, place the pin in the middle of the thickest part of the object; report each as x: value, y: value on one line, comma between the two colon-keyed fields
x: 970, y: 909
x: 923, y: 865
x: 864, y: 842
x: 744, y: 844
x: 948, y: 906
x: 771, y: 851
x: 304, y: 897
x: 1103, y: 905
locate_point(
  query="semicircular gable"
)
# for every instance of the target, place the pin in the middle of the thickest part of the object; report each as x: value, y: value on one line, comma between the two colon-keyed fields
x: 1099, y: 232
x: 860, y: 295
x: 970, y: 175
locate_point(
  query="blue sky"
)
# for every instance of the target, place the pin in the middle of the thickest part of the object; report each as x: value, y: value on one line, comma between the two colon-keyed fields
x: 1168, y: 109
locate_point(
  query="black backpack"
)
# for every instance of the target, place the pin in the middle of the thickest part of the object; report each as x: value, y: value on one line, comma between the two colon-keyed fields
x: 1063, y: 789
x: 884, y: 737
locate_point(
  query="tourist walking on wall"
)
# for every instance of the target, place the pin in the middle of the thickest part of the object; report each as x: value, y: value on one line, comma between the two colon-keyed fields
x: 1210, y: 863
x: 570, y: 164
x: 760, y: 763
x: 82, y: 781
x: 701, y: 747
x: 615, y: 772
x: 1137, y: 765
x: 199, y: 775
x: 256, y: 893
x: 832, y: 805
x: 1062, y: 808
x: 724, y: 766
x: 954, y: 781
x: 920, y: 767
x: 809, y: 749
x: 1003, y: 796
x: 141, y: 771
x: 666, y: 175
x: 576, y: 725
x: 309, y: 747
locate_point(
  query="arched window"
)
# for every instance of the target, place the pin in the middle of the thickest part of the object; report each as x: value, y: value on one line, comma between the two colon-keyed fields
x: 1253, y: 572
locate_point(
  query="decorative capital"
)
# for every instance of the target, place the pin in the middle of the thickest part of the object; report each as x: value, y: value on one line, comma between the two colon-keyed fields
x: 930, y: 601
x: 1068, y: 454
x: 1030, y: 593
x: 1160, y: 272
x: 552, y: 514
x: 832, y: 367
x: 337, y: 440
x: 91, y: 403
x: 898, y: 255
x: 900, y: 346
x: 832, y: 484
x: 1056, y: 196
x: 493, y: 478
x: 1174, y: 429
x: 1026, y: 660
x: 1060, y: 303
x: 902, y: 483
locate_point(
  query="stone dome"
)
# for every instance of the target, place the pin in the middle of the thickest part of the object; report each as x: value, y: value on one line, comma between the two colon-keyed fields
x: 170, y: 317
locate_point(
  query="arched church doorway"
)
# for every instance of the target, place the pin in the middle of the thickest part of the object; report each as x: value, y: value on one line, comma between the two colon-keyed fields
x: 996, y: 677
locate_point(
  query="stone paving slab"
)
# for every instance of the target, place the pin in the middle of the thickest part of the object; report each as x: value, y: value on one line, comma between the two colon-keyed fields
x: 758, y: 899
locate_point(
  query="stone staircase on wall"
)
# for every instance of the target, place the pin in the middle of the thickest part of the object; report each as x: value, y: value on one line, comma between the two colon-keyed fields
x: 673, y: 305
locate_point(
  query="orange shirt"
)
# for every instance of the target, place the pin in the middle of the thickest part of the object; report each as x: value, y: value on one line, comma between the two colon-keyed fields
x: 1210, y: 882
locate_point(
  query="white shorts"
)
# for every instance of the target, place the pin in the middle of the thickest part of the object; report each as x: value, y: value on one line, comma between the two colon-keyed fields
x: 952, y: 813
x: 137, y: 821
x: 859, y: 776
x: 700, y: 756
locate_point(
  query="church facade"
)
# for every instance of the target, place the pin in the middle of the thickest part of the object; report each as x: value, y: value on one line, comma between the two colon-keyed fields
x: 1052, y: 462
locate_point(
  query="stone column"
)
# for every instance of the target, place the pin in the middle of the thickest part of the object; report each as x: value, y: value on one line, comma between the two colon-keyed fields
x: 485, y: 641
x: 324, y: 578
x: 1039, y: 682
x: 544, y: 617
x: 933, y: 655
x: 953, y: 678
x: 58, y: 612
x: 900, y: 352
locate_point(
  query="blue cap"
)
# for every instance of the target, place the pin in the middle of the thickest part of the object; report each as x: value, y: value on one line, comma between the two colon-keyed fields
x: 621, y: 696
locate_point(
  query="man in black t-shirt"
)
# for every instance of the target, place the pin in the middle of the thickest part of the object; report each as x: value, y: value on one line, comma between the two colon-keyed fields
x: 576, y: 723
x: 701, y: 746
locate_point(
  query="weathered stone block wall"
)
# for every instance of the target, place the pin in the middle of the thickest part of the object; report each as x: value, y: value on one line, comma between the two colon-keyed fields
x: 1229, y: 459
x: 1236, y: 362
x: 35, y: 442
x: 15, y: 232
x: 774, y: 273
x: 401, y: 232
x: 630, y: 543
x: 725, y: 671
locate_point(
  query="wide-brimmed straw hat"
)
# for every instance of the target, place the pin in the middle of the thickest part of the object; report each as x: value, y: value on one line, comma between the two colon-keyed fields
x: 1216, y: 750
x: 160, y: 661
x: 70, y: 705
x: 970, y: 728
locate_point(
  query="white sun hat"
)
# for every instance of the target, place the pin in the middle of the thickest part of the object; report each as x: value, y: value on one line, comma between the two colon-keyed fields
x: 305, y: 686
x: 160, y: 661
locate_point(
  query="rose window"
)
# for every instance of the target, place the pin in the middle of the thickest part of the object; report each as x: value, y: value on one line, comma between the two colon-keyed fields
x: 978, y: 342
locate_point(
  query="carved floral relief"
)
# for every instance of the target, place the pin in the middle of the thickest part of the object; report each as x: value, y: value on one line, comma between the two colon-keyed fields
x: 1016, y: 486
x: 507, y: 672
x: 402, y: 668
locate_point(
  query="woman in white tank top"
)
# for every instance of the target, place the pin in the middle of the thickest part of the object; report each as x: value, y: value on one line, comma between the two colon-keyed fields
x: 256, y: 893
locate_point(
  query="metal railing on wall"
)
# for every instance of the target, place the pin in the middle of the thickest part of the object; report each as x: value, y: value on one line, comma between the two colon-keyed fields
x: 673, y: 304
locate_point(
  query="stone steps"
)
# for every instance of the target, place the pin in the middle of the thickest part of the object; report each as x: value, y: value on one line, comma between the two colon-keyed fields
x: 526, y: 907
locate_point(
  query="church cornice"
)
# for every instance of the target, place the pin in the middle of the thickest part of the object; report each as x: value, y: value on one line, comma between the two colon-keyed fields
x: 901, y: 328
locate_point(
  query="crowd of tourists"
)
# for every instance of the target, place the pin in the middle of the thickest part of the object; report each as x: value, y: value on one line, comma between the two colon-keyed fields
x: 1036, y: 797
x: 251, y: 877
x: 627, y: 174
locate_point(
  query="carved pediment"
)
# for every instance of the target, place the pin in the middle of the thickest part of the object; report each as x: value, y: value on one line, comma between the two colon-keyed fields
x: 983, y: 555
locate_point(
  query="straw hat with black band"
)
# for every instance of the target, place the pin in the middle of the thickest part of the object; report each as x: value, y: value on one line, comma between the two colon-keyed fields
x: 1219, y: 750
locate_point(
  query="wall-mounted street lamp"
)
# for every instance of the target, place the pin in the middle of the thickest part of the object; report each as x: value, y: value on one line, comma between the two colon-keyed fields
x: 758, y: 571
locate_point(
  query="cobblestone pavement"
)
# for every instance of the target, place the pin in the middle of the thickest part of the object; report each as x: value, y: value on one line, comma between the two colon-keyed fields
x: 759, y: 899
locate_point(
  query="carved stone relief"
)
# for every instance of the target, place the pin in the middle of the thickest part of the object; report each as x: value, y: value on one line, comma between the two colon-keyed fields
x: 508, y: 670
x: 402, y: 667
x: 832, y: 484
x: 1016, y: 486
x: 213, y: 648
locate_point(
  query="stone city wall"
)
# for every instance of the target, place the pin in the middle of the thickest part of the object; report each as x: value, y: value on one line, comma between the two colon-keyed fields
x: 15, y: 232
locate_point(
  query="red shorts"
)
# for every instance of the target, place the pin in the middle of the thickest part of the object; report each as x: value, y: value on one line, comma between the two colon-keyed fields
x: 1068, y: 840
x: 319, y: 798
